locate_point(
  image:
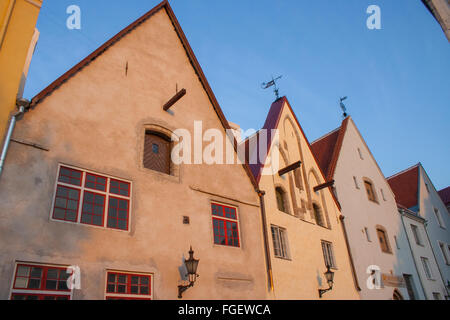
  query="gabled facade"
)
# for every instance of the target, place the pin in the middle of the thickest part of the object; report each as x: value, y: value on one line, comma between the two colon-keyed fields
x: 304, y: 230
x: 378, y: 243
x: 414, y: 190
x: 88, y: 183
x: 426, y: 265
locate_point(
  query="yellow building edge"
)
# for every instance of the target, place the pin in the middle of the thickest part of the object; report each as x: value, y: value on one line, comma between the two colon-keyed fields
x: 18, y: 38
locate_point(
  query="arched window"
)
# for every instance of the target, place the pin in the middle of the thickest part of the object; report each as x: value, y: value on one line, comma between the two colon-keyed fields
x: 370, y: 190
x: 384, y: 241
x: 281, y: 199
x: 318, y: 215
x: 157, y: 150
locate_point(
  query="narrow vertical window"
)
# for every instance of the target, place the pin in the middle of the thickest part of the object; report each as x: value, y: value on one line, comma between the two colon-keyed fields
x: 410, y: 287
x: 396, y: 242
x: 318, y: 215
x: 384, y: 243
x: 370, y: 191
x: 439, y: 219
x: 356, y: 182
x: 157, y: 152
x: 442, y: 246
x: 328, y: 254
x: 225, y: 225
x: 366, y: 231
x: 427, y: 268
x: 280, y: 242
x: 416, y: 234
x: 281, y: 199
x: 360, y: 154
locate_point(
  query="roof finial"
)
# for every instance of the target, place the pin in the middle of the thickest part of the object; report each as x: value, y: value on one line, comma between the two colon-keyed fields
x: 344, y: 109
x: 272, y: 83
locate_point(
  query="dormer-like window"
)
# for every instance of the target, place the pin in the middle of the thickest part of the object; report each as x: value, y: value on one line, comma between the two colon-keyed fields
x: 157, y: 150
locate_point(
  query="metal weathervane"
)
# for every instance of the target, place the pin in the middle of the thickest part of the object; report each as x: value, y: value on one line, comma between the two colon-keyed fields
x: 272, y: 83
x: 344, y: 109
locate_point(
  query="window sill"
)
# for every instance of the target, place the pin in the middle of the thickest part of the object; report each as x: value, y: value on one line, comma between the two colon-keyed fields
x: 282, y: 258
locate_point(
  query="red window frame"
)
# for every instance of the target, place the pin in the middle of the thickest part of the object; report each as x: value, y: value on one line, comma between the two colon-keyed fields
x: 40, y: 296
x: 128, y: 295
x: 71, y: 176
x: 222, y: 233
x: 67, y: 201
x: 127, y: 189
x: 87, y: 211
x: 117, y: 211
x: 41, y: 291
x: 92, y: 213
x: 95, y: 181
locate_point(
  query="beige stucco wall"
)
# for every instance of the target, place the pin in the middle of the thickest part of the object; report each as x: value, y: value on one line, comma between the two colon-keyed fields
x: 362, y: 213
x: 96, y: 121
x: 301, y: 276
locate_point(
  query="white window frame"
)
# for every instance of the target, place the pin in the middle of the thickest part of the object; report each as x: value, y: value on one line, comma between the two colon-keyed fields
x: 427, y: 268
x: 129, y: 296
x: 281, y: 242
x: 416, y: 233
x: 444, y: 247
x: 37, y: 292
x: 82, y: 190
x: 328, y: 254
x: 439, y: 219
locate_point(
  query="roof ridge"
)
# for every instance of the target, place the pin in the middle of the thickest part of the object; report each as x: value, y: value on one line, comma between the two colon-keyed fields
x: 326, y: 135
x: 403, y: 171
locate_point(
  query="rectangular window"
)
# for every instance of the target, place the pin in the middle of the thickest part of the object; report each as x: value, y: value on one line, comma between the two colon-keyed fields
x: 384, y: 243
x: 128, y: 286
x: 328, y: 254
x: 396, y: 242
x: 370, y: 191
x: 280, y: 242
x: 382, y: 195
x: 85, y: 197
x: 366, y: 231
x: 356, y: 182
x: 225, y: 225
x: 410, y: 286
x: 427, y: 268
x: 416, y: 234
x: 40, y: 282
x: 442, y: 246
x: 438, y: 216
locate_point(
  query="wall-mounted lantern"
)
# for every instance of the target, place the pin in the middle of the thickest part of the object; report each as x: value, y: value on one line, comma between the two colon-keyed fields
x: 329, y: 275
x: 191, y: 266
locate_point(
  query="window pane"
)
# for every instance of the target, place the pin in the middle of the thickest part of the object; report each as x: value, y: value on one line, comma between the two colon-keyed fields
x: 23, y: 271
x: 21, y: 283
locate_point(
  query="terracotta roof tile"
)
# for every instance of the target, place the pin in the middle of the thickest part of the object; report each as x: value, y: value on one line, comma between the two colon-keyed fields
x: 405, y: 186
x: 328, y: 148
x: 445, y: 195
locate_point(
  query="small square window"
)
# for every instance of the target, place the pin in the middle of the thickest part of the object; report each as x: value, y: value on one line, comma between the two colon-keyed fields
x: 155, y: 148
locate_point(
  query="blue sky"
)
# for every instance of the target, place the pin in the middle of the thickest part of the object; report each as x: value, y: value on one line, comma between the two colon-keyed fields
x: 396, y: 78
